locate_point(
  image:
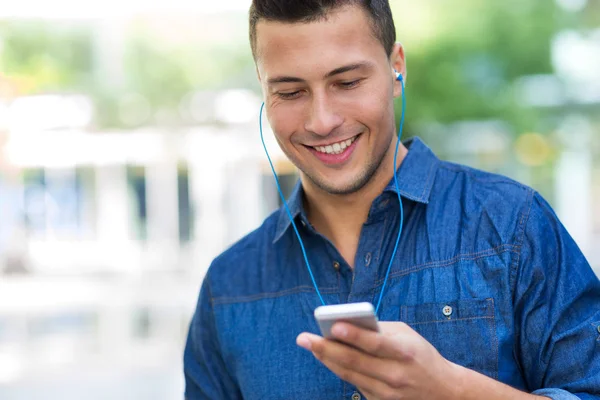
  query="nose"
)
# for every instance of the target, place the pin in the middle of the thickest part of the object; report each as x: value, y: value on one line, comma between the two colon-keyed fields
x: 322, y: 118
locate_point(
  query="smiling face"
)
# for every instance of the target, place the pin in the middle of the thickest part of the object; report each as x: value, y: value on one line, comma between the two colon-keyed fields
x: 329, y: 89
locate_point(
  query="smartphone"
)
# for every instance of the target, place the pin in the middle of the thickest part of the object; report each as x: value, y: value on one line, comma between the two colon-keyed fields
x: 359, y: 314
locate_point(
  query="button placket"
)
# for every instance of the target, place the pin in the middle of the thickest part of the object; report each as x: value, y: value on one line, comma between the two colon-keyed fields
x: 368, y: 257
x: 367, y: 273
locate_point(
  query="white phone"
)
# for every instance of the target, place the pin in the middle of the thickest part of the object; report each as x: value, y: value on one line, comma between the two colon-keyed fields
x: 359, y: 314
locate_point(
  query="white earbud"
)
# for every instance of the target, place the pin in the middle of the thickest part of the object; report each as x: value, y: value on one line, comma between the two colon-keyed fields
x: 399, y: 76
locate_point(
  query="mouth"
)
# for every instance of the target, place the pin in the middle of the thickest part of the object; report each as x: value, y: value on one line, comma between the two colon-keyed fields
x: 335, y: 148
x: 335, y: 154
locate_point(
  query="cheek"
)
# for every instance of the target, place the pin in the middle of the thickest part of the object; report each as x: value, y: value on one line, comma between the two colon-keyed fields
x: 375, y: 115
x: 284, y: 124
x: 372, y: 106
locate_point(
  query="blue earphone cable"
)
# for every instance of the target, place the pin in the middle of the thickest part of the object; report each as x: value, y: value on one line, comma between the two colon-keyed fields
x: 312, y: 277
x: 287, y: 209
x: 387, y: 274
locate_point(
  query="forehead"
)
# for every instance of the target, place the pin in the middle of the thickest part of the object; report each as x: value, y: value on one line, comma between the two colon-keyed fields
x: 345, y: 36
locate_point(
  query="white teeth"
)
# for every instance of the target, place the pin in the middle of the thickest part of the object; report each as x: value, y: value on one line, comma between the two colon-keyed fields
x: 336, y: 148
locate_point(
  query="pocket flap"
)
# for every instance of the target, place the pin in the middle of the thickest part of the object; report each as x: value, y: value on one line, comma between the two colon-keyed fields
x: 447, y: 311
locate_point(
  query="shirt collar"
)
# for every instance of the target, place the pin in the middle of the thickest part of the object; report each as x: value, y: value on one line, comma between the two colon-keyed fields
x: 415, y: 180
x: 296, y: 207
x: 416, y: 173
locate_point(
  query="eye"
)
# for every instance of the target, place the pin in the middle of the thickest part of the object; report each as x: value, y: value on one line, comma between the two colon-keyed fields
x: 288, y: 95
x: 350, y: 84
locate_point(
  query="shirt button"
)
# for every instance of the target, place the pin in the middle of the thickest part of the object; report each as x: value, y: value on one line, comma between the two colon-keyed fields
x: 336, y: 265
x: 367, y: 259
x: 447, y: 311
x: 356, y: 396
x: 598, y: 328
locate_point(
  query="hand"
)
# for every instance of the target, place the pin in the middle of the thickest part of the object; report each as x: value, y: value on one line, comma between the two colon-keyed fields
x: 396, y: 363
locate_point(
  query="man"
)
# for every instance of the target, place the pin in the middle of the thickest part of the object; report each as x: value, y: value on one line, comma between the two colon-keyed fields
x: 488, y: 296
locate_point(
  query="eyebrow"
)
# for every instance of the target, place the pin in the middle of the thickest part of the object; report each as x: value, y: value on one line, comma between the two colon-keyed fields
x: 337, y: 71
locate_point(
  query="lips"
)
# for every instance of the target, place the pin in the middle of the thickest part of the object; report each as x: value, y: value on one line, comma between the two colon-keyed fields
x: 336, y: 148
x: 335, y: 153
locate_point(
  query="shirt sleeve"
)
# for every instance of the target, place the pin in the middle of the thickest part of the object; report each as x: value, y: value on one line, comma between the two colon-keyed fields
x: 206, y: 375
x: 560, y: 394
x: 556, y: 310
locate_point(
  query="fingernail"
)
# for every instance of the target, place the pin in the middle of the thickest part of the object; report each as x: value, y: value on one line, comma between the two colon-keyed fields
x: 304, y: 342
x: 339, y: 331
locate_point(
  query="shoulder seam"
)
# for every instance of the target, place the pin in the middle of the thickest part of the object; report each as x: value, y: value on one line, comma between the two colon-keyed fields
x: 498, y: 178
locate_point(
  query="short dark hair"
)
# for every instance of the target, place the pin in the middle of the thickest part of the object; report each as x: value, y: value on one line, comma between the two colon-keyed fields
x: 306, y: 11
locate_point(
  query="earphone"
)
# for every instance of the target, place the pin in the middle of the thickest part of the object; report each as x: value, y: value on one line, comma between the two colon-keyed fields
x: 399, y: 78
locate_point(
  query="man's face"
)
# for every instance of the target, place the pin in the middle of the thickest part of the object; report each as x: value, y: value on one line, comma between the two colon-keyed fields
x: 329, y: 89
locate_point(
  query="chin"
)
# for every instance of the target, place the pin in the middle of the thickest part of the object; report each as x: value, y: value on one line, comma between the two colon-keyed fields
x: 340, y: 187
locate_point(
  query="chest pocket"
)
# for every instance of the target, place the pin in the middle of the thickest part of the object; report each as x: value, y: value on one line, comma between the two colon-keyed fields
x: 463, y: 331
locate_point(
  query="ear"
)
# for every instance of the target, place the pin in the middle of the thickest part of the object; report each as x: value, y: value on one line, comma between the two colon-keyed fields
x: 398, y: 63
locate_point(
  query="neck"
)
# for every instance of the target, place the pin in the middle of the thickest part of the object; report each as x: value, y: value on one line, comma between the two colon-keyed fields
x: 340, y: 217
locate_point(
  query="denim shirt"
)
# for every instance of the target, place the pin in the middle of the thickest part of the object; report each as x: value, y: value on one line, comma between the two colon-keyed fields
x: 484, y: 271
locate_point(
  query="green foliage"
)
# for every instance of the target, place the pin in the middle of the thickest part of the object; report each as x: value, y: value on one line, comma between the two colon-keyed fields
x: 160, y: 76
x: 467, y: 70
x: 46, y: 58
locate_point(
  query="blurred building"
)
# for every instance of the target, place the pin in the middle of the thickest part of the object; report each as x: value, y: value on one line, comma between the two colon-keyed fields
x: 105, y: 236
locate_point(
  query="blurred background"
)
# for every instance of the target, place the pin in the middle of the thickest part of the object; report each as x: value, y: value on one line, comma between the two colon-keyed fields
x: 130, y: 157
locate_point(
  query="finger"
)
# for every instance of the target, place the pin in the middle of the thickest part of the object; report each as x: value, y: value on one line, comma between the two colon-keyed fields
x: 392, y: 328
x: 398, y: 346
x: 348, y: 358
x: 306, y: 340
